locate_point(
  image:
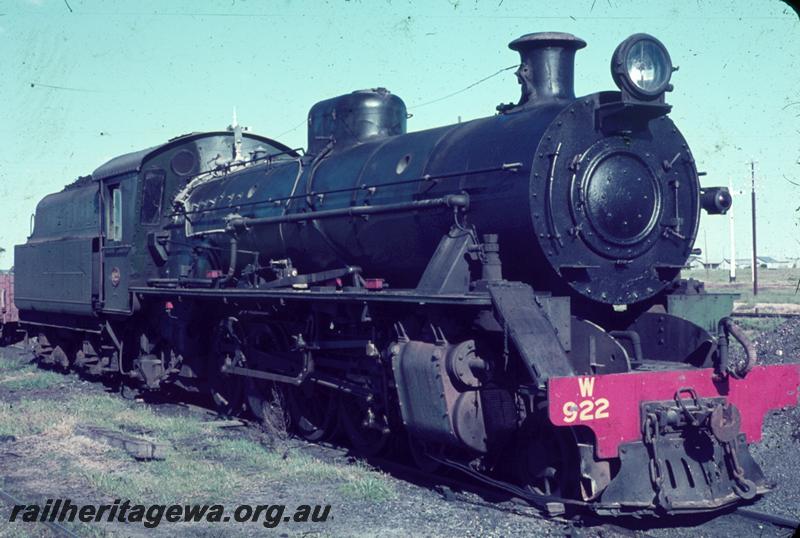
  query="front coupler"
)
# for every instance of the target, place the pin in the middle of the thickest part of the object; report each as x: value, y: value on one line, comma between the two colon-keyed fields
x: 675, y: 441
x: 695, y: 458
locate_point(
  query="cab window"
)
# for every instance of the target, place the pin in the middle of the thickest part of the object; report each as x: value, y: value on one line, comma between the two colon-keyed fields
x: 152, y: 194
x: 114, y: 228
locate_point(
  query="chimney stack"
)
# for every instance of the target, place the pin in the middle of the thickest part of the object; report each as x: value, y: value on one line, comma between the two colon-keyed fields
x: 547, y: 68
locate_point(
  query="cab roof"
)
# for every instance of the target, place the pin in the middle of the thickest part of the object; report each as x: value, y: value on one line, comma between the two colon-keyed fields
x: 132, y: 162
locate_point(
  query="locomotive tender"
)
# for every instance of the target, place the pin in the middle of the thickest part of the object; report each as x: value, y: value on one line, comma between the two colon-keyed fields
x: 503, y: 293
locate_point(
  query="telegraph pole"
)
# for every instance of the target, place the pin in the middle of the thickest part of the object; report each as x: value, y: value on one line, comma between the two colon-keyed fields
x: 732, y: 275
x: 753, y: 211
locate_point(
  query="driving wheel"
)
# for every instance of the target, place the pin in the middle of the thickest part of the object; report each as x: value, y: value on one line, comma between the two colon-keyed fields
x: 227, y: 390
x: 365, y: 433
x: 312, y: 411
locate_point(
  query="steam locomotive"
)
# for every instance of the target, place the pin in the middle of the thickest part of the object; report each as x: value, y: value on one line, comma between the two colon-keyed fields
x: 504, y: 293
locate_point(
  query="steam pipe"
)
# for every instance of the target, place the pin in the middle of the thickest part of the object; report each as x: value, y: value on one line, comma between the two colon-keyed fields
x: 635, y: 340
x: 451, y: 200
x: 232, y: 262
x: 721, y: 368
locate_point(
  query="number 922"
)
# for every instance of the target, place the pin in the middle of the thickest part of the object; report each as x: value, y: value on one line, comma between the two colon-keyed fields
x: 585, y: 410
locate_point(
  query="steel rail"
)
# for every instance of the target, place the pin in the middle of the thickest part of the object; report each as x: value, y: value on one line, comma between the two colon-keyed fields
x: 60, y: 530
x: 764, y: 315
x: 760, y: 515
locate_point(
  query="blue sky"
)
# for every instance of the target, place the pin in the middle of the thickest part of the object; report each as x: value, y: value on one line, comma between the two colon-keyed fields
x: 84, y: 80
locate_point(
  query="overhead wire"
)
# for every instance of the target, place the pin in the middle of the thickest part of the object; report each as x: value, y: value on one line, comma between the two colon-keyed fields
x: 462, y: 90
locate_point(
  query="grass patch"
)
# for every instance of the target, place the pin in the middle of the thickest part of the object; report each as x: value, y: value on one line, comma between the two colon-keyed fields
x: 31, y: 379
x: 175, y: 480
x: 244, y: 452
x: 372, y: 487
x: 142, y: 419
x: 356, y: 480
x: 204, y: 466
x: 775, y: 285
x: 27, y: 417
x: 19, y: 374
x: 226, y: 467
x: 39, y: 416
x: 7, y: 365
x: 759, y: 325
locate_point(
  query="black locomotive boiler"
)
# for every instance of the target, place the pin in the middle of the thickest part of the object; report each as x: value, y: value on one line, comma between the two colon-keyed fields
x: 503, y: 294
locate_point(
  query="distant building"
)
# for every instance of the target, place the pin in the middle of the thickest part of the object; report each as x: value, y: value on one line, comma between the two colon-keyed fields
x: 697, y: 262
x: 741, y: 263
x: 767, y: 262
x: 764, y: 262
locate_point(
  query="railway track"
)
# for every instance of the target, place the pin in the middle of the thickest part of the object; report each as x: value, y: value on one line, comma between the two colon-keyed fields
x: 56, y: 528
x: 773, y: 519
x: 459, y: 485
x: 586, y: 521
x: 788, y: 315
x: 750, y: 521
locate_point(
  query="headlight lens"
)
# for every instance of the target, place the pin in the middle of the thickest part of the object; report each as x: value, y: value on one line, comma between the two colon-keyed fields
x: 642, y: 66
x: 647, y: 65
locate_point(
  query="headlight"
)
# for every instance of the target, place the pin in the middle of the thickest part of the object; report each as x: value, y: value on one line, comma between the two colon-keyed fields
x: 641, y: 66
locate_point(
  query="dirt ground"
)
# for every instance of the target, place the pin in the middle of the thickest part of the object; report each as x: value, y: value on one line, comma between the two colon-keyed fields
x: 45, y: 452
